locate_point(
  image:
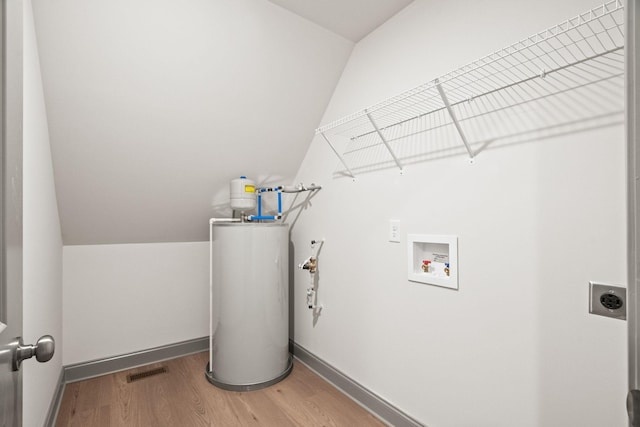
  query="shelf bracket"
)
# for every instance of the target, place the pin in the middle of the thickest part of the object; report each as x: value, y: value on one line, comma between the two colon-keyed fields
x: 338, y: 154
x: 384, y: 140
x: 454, y: 118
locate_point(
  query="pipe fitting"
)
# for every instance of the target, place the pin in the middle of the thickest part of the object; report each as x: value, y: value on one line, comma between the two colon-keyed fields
x: 309, y: 264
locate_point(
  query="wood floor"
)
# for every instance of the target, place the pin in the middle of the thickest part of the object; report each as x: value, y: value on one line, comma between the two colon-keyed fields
x: 182, y: 397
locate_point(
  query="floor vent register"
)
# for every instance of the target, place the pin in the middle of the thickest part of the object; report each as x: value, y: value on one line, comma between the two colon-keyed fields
x: 146, y: 374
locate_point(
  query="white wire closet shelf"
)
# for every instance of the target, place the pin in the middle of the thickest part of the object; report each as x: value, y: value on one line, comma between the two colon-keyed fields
x: 567, y: 75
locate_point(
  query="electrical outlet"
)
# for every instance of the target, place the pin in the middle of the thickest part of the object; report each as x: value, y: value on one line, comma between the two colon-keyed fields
x: 394, y: 230
x: 607, y: 300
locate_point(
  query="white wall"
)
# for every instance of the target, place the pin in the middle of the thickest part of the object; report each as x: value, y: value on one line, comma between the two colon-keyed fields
x: 42, y: 255
x: 124, y: 298
x: 535, y: 222
x: 514, y: 346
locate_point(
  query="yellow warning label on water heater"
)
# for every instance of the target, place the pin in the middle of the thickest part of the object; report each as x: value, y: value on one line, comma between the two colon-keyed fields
x: 249, y: 189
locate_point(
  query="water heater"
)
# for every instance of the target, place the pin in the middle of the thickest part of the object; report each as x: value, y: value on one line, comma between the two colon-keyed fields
x: 249, y: 337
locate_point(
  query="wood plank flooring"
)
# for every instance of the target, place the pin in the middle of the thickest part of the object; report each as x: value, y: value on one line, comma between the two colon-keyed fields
x: 182, y: 397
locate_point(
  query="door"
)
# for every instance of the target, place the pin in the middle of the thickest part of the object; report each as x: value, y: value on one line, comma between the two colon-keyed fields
x: 12, y: 350
x: 11, y: 212
x: 632, y: 43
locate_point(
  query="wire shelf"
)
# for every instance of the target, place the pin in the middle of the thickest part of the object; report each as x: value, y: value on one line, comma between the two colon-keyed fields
x: 570, y: 73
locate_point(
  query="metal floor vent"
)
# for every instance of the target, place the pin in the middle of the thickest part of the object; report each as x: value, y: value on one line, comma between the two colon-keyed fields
x: 146, y: 374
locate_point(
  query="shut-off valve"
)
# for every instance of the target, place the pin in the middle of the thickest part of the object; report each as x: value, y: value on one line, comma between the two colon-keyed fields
x: 309, y: 264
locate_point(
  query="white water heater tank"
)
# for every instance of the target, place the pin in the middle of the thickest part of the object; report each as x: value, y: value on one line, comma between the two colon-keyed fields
x: 243, y: 194
x: 249, y: 289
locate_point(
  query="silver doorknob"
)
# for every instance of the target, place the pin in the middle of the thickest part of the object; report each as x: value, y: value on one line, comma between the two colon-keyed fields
x: 43, y: 350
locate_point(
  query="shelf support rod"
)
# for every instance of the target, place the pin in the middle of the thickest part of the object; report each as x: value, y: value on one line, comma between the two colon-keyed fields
x: 384, y: 140
x: 454, y: 118
x: 338, y: 154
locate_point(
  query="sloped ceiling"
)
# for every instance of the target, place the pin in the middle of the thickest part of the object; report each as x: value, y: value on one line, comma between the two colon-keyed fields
x: 352, y: 19
x: 154, y: 105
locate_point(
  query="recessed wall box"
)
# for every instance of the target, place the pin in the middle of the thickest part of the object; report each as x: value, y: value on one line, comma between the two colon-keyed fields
x: 433, y: 259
